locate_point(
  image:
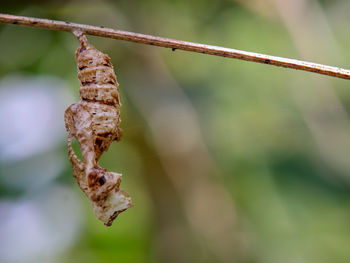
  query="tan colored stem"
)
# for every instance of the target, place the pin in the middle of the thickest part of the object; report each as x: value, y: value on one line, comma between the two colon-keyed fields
x: 176, y: 44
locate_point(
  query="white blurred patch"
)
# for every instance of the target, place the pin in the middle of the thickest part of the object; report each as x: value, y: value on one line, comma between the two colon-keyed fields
x: 31, y: 113
x: 33, y: 172
x: 32, y: 129
x: 39, y: 229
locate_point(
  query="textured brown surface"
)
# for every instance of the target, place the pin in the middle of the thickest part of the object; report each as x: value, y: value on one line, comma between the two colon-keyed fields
x: 94, y: 121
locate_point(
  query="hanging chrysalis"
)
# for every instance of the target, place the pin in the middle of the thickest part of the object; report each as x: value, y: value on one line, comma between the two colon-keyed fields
x: 94, y: 121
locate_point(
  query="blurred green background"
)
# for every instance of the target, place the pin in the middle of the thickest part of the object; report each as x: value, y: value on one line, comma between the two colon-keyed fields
x: 226, y: 161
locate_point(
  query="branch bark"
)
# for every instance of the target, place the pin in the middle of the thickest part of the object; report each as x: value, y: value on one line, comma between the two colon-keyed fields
x: 175, y: 44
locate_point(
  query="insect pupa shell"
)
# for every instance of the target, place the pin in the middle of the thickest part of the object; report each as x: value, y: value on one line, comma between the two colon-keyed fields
x: 94, y: 121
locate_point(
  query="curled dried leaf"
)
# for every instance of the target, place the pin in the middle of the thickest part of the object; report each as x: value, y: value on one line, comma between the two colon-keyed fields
x: 94, y: 121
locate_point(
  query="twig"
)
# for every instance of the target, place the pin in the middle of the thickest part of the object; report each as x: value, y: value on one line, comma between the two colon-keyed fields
x: 176, y: 44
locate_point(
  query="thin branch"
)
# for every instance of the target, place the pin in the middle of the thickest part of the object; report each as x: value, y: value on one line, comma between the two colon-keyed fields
x: 175, y: 44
